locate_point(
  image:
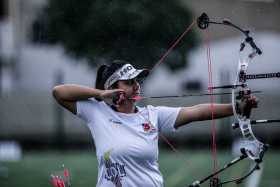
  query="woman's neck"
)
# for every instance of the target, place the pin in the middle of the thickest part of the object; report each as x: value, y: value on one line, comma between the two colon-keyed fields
x: 128, y: 107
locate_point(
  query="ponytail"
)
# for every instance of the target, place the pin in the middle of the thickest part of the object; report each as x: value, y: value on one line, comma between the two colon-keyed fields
x: 100, y: 79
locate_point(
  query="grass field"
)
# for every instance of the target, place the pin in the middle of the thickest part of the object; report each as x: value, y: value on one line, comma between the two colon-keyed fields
x: 178, y: 169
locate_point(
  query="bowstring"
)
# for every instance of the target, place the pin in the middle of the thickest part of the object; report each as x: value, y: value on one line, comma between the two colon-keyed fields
x: 212, y: 100
x: 174, y: 44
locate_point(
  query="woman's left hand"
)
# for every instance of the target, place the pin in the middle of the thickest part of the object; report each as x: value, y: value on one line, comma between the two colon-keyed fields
x: 245, y: 105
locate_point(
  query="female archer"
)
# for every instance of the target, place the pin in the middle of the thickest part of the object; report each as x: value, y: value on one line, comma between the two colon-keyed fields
x: 126, y: 135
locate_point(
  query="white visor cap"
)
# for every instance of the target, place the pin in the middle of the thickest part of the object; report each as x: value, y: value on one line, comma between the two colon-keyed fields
x: 126, y: 72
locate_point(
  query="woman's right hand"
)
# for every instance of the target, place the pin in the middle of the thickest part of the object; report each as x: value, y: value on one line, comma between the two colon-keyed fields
x: 113, y: 97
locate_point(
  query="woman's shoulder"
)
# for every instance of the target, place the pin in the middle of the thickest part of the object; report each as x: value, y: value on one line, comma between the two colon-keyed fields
x: 162, y: 109
x: 151, y: 108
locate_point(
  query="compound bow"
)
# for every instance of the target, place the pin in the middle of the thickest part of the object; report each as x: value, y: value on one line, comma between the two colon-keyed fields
x: 253, y: 148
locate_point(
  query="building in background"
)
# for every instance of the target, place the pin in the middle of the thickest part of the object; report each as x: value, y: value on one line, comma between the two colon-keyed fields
x: 25, y: 60
x: 29, y: 71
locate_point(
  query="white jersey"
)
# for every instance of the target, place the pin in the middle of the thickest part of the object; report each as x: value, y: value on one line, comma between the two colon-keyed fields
x: 127, y: 144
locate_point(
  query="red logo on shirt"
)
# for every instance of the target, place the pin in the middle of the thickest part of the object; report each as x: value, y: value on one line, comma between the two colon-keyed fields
x: 146, y: 127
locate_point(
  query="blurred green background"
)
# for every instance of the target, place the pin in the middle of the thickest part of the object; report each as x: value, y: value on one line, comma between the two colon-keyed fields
x: 178, y: 169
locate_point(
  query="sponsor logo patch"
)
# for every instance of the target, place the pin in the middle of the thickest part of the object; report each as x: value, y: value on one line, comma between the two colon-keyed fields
x: 115, y: 121
x: 114, y: 171
x: 148, y: 127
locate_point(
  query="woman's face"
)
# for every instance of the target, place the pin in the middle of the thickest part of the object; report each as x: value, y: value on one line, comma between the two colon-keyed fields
x: 131, y: 87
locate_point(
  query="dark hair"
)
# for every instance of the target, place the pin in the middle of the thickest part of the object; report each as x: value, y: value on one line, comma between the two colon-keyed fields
x: 105, y: 71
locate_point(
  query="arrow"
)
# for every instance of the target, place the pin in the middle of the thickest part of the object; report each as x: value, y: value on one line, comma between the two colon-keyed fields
x: 139, y: 97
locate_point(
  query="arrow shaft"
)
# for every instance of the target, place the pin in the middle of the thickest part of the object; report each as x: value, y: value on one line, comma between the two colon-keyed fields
x: 190, y: 95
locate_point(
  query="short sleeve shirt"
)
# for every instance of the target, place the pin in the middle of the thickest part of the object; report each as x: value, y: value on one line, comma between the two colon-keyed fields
x: 127, y: 144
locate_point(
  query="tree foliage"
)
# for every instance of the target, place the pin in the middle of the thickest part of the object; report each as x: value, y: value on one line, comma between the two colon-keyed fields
x: 137, y: 31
